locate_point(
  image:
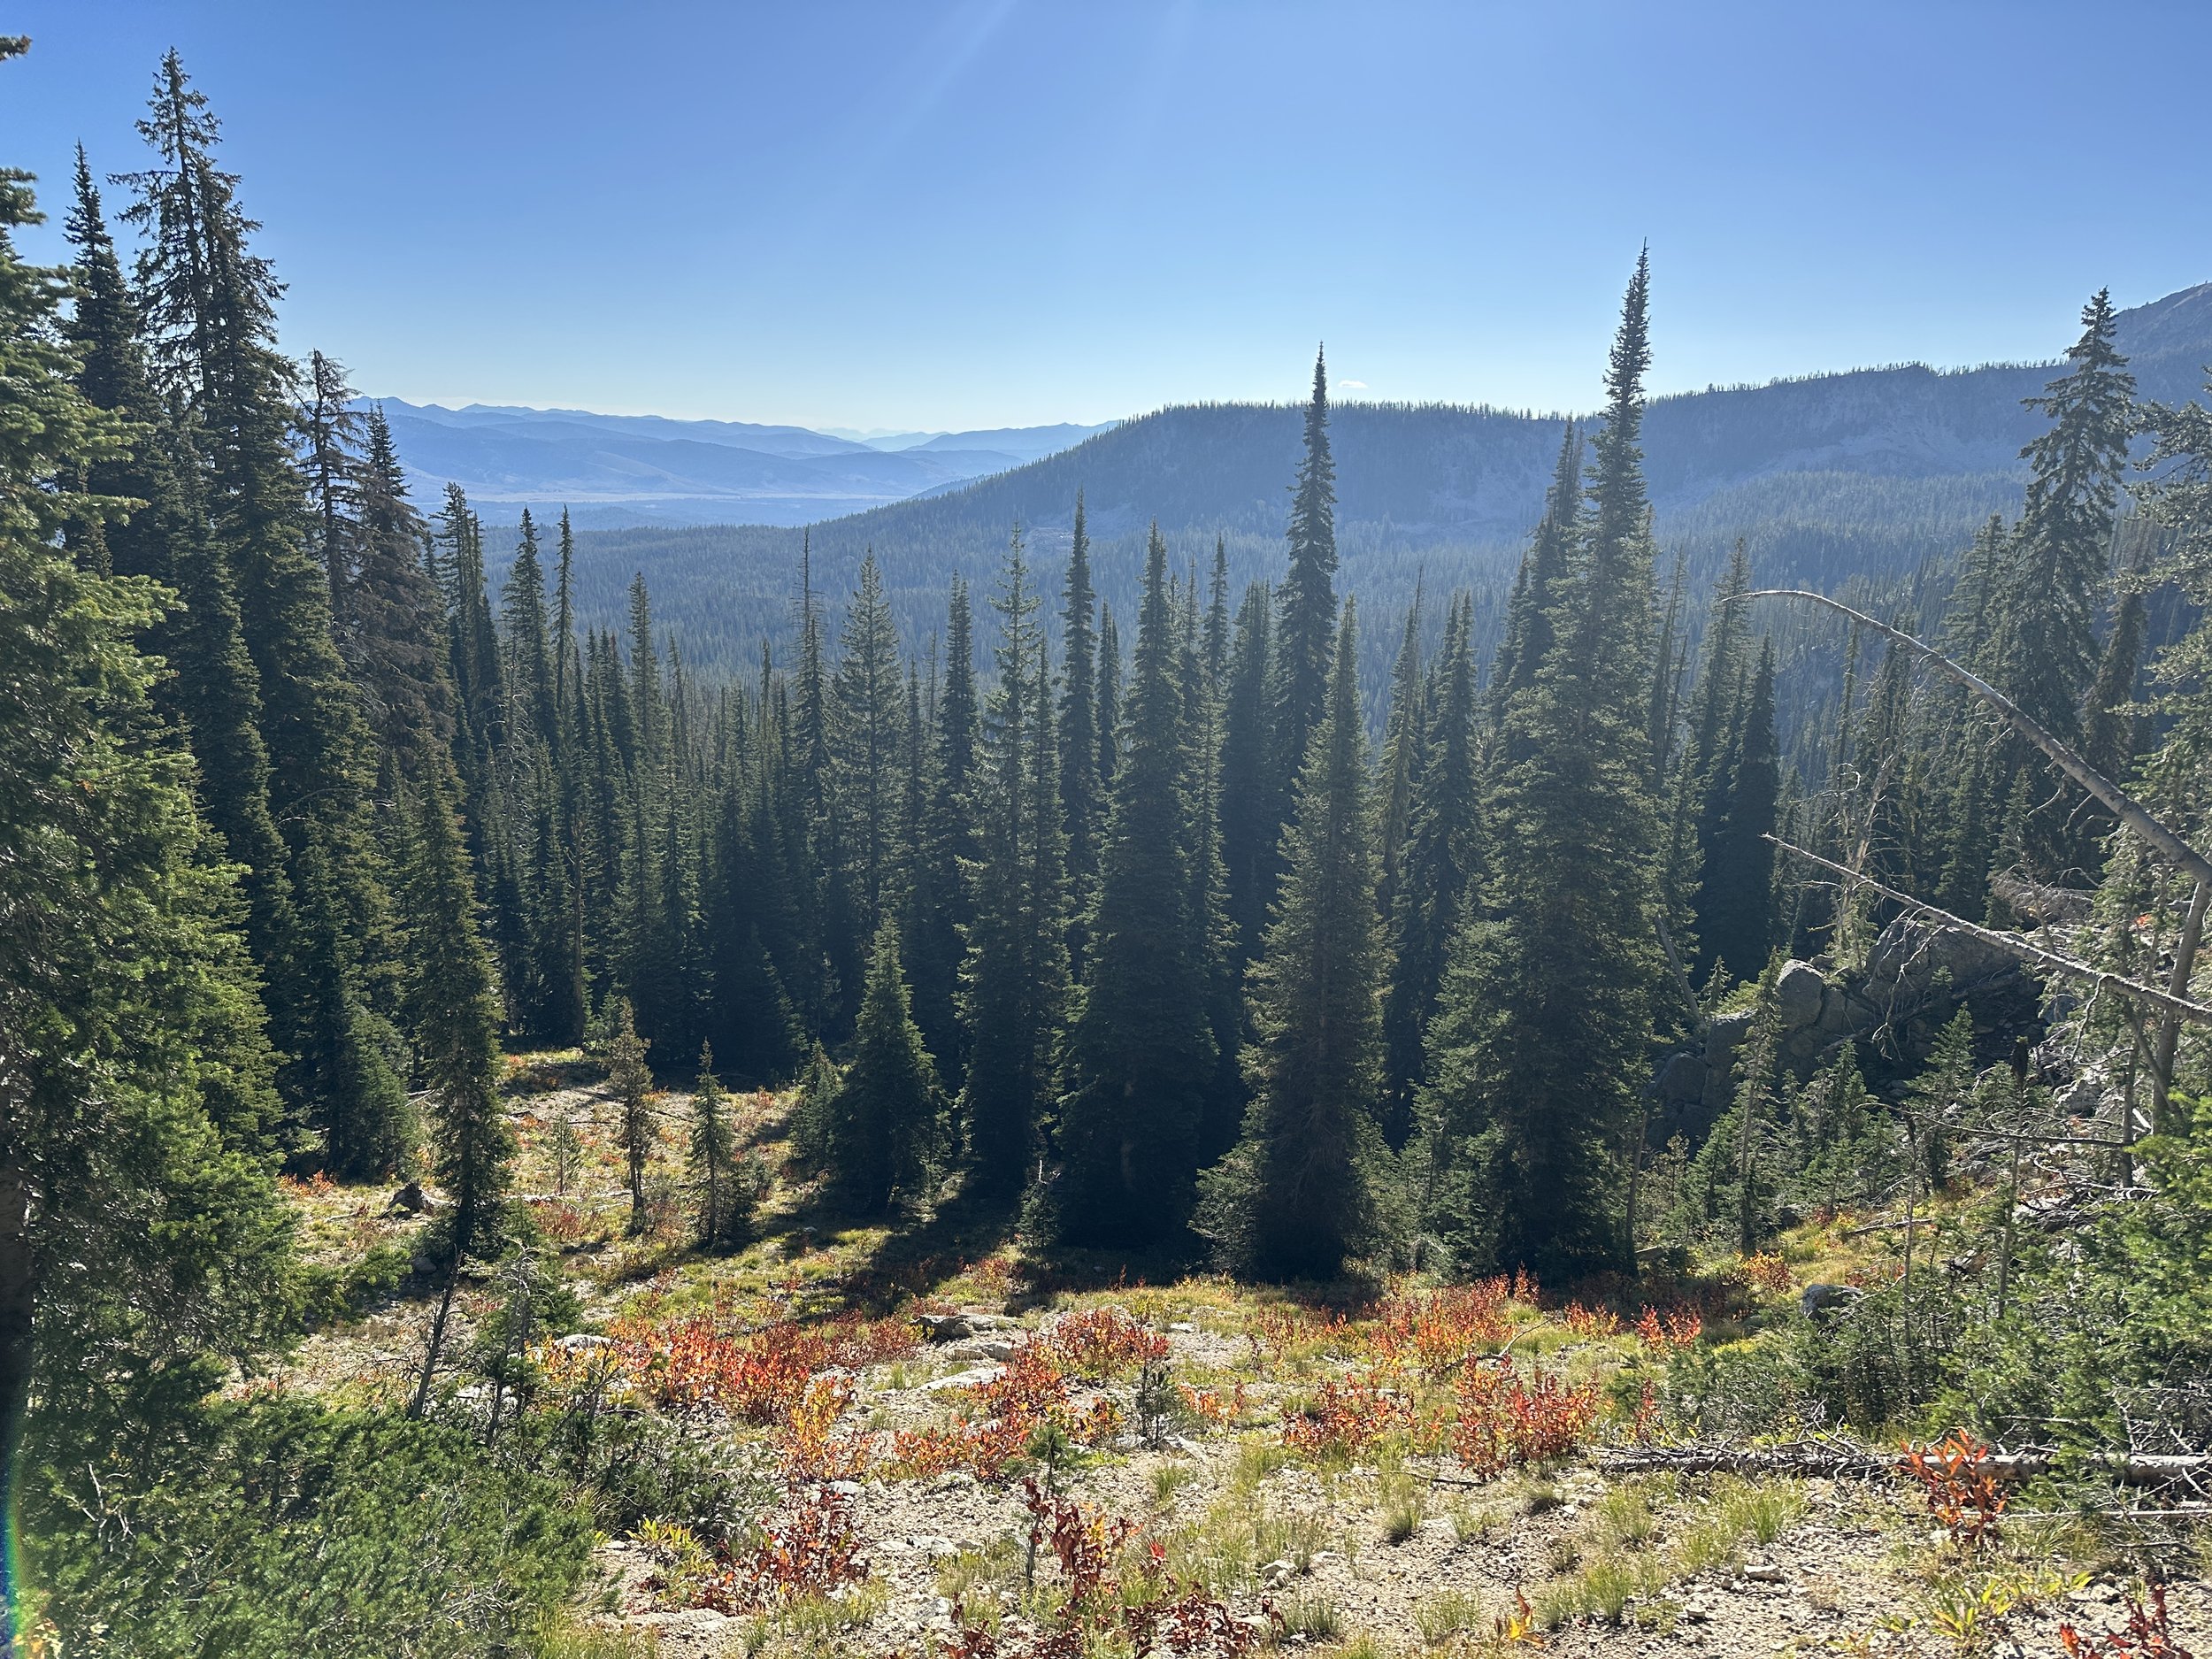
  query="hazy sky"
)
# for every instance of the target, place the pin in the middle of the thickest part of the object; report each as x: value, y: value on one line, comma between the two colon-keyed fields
x: 1011, y: 212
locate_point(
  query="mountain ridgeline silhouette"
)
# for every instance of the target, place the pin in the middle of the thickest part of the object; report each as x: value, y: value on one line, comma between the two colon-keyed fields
x: 1866, y: 475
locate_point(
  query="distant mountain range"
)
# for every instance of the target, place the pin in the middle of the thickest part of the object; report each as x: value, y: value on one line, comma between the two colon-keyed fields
x: 1866, y: 475
x: 630, y: 470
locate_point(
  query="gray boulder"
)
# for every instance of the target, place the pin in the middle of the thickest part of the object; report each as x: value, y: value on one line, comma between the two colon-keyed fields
x: 1799, y: 993
x: 1724, y: 1036
x: 1683, y: 1080
x: 1823, y: 1301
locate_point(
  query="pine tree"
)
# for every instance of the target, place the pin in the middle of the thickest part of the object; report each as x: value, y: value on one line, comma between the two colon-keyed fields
x: 1109, y: 696
x: 1248, y: 826
x: 1540, y: 1037
x: 209, y: 304
x: 331, y: 428
x: 1528, y: 619
x: 938, y: 908
x: 632, y: 1080
x: 1081, y: 786
x: 452, y: 1008
x: 1014, y: 977
x: 1141, y: 1053
x: 529, y: 656
x: 1305, y: 625
x: 867, y: 743
x: 396, y: 617
x: 1404, y: 752
x: 881, y: 1136
x: 722, y: 1216
x: 2062, y: 552
x: 1441, y: 864
x: 1297, y: 1195
x: 1736, y: 900
x: 138, y: 1223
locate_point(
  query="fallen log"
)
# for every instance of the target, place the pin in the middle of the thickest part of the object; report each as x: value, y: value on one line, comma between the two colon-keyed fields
x: 1844, y: 1460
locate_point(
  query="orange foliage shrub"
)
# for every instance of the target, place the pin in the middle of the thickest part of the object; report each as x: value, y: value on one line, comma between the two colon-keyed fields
x: 1028, y: 1393
x: 688, y: 1365
x: 1102, y: 1342
x: 1590, y: 1323
x: 1506, y: 1419
x: 808, y: 1550
x: 1768, y: 1272
x: 1347, y: 1415
x: 1437, y: 1329
x: 1678, y: 1327
x: 1960, y: 1486
x: 2149, y: 1635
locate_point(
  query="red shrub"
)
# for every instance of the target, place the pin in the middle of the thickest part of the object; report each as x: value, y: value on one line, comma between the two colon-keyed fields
x: 1505, y: 1419
x: 1960, y: 1486
x: 1102, y: 1342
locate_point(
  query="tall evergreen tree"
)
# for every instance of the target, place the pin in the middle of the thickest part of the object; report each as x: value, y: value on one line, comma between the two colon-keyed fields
x: 1528, y: 618
x: 139, y: 1225
x: 632, y: 1080
x: 1141, y: 1052
x: 867, y: 746
x: 396, y: 628
x: 1013, y: 980
x: 1441, y: 862
x: 453, y: 1018
x: 1297, y: 1194
x: 1305, y: 624
x: 1736, y: 903
x: 1248, y: 826
x: 210, y: 306
x: 938, y: 908
x: 1082, y: 789
x: 1540, y: 1037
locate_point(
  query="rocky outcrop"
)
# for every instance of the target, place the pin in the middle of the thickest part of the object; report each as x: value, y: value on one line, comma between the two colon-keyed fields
x: 1915, y: 976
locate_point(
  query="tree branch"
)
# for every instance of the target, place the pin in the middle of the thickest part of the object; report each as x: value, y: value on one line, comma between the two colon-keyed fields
x: 2115, y: 800
x: 2180, y: 1008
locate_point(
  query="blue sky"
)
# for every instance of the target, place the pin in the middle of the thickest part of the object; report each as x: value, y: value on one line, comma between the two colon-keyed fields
x: 1003, y: 211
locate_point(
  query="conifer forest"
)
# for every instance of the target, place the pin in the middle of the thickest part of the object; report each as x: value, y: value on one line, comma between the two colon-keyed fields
x: 1676, y: 1107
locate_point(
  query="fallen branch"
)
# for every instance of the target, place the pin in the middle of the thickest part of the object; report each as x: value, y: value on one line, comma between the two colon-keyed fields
x: 2115, y: 800
x: 2177, y: 1007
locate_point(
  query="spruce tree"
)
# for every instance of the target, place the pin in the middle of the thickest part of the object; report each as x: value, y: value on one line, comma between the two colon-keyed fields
x: 1441, y: 862
x: 1141, y: 1052
x: 713, y: 1149
x: 632, y: 1080
x: 1403, y: 751
x: 1305, y: 626
x: 138, y: 1223
x: 1248, y: 826
x: 1736, y: 903
x: 1014, y: 978
x: 867, y: 744
x: 1528, y: 618
x: 1297, y: 1194
x: 1109, y: 761
x: 330, y: 430
x: 1537, y: 1052
x: 939, y: 909
x: 1082, y: 788
x: 395, y: 615
x: 881, y: 1139
x: 452, y: 1008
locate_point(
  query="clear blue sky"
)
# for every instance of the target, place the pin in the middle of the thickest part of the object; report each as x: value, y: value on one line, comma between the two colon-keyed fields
x: 1006, y: 212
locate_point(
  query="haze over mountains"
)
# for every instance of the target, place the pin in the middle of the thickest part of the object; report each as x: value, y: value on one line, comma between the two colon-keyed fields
x: 615, y: 470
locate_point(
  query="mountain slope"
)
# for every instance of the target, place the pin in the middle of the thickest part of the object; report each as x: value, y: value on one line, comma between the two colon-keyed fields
x: 1863, y: 473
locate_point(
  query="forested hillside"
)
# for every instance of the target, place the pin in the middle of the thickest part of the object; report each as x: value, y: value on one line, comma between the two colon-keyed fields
x: 1864, y: 476
x: 499, y: 1124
